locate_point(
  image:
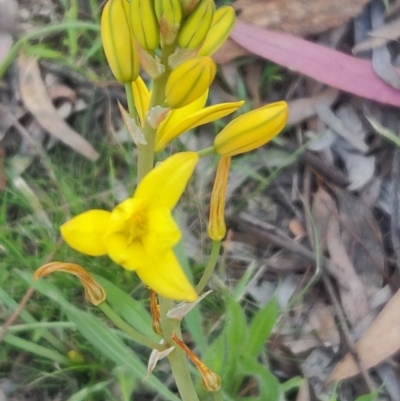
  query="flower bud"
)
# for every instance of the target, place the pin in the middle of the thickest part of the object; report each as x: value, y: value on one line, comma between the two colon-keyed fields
x: 118, y: 42
x: 189, y: 81
x: 196, y: 26
x: 144, y: 24
x: 221, y: 26
x: 252, y: 130
x: 216, y: 229
x: 169, y: 15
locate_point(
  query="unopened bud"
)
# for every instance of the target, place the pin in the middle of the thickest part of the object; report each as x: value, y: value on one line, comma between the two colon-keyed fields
x: 169, y: 15
x: 252, y: 130
x: 196, y: 26
x: 118, y: 42
x: 221, y: 26
x: 189, y: 81
x: 144, y: 24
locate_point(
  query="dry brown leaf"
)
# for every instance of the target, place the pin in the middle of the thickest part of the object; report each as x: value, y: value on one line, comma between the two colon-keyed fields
x: 322, y: 207
x: 322, y: 320
x: 36, y: 100
x: 362, y: 235
x: 298, y: 17
x: 354, y: 297
x: 379, y: 342
x: 301, y: 109
x: 304, y: 392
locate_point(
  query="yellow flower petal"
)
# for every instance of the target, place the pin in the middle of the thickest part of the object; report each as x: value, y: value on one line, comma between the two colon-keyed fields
x: 164, y: 185
x: 130, y: 256
x: 141, y: 97
x: 167, y: 278
x: 85, y: 232
x: 168, y: 132
x: 162, y: 232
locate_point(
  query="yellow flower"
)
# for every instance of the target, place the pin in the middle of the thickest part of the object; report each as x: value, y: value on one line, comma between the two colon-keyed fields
x: 140, y: 233
x: 216, y: 225
x: 189, y: 81
x: 252, y: 130
x: 118, y: 42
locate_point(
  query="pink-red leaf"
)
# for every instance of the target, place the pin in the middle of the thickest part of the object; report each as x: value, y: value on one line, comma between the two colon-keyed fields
x: 326, y: 65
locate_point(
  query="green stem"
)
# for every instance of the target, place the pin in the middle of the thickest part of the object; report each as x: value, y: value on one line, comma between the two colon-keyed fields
x: 146, y: 152
x: 131, y: 101
x: 218, y: 396
x: 206, y: 152
x: 125, y: 327
x: 209, y: 270
x: 177, y: 359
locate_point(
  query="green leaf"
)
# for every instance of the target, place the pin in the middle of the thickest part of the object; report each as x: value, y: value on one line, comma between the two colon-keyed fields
x: 235, y: 332
x: 269, y: 386
x: 261, y: 327
x: 83, y: 394
x: 131, y: 310
x: 368, y: 397
x: 100, y: 336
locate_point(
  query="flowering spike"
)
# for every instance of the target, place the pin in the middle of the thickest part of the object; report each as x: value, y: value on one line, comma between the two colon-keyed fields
x: 221, y: 26
x: 216, y: 225
x: 118, y: 42
x: 169, y: 15
x: 93, y: 291
x: 189, y: 81
x: 252, y: 130
x: 144, y: 24
x: 211, y: 381
x: 195, y: 28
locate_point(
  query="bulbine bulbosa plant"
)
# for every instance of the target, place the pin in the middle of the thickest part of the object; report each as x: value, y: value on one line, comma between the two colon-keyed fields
x: 171, y: 41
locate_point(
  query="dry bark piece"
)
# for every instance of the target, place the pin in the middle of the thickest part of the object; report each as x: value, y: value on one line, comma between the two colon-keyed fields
x: 36, y: 100
x: 378, y: 343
